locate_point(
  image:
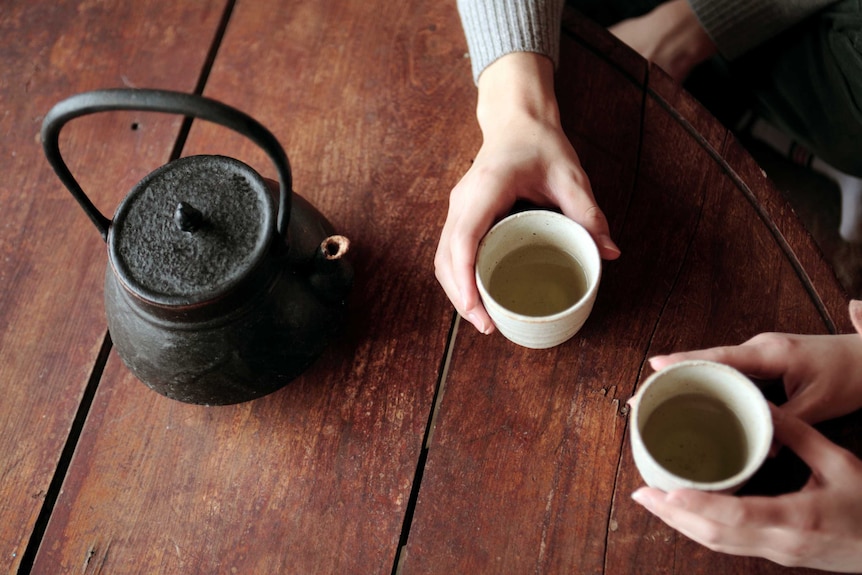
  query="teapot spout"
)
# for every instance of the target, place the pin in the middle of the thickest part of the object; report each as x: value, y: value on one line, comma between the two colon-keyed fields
x: 332, y: 275
x: 334, y: 247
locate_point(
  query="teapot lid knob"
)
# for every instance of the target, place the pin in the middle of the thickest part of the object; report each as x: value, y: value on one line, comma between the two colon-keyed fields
x: 187, y: 218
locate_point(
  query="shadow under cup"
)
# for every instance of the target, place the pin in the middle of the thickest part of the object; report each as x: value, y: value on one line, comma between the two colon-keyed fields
x: 699, y: 425
x: 543, y: 257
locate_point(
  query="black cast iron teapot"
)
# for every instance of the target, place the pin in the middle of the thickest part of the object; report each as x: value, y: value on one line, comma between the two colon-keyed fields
x: 214, y: 293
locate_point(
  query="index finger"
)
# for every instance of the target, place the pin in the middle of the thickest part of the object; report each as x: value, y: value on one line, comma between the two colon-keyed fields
x: 749, y: 358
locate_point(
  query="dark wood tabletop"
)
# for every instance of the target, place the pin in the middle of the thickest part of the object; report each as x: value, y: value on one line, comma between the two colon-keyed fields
x: 414, y: 444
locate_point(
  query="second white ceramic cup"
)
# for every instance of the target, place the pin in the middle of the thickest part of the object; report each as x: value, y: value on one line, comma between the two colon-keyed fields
x: 718, y: 382
x: 548, y: 228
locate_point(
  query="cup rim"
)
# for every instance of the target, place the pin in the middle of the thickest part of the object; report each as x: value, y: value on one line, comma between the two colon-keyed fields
x: 759, y: 451
x: 593, y: 254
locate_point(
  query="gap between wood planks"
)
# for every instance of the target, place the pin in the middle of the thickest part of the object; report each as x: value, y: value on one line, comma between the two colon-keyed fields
x: 426, y: 442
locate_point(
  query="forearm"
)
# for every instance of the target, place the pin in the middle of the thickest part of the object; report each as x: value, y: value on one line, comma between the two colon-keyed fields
x: 737, y: 26
x: 495, y: 28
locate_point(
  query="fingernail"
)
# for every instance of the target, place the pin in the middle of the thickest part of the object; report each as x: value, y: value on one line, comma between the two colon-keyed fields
x: 657, y: 362
x: 474, y: 319
x: 607, y: 243
x: 640, y: 497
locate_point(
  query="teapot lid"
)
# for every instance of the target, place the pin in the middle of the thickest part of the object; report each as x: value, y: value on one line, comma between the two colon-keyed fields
x: 191, y: 231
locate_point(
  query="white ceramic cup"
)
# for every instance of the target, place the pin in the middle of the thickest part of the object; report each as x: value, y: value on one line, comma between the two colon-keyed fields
x: 713, y: 380
x: 538, y: 227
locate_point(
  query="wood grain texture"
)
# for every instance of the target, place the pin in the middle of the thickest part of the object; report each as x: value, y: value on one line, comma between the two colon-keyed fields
x: 52, y: 261
x: 374, y: 104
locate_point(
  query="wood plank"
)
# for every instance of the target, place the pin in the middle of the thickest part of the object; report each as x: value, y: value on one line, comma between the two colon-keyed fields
x: 606, y: 155
x: 373, y: 102
x: 52, y: 260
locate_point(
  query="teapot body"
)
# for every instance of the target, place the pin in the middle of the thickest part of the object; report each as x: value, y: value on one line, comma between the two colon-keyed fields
x: 240, y: 348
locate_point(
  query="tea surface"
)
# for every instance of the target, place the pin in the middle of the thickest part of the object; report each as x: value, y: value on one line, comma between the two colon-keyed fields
x: 538, y: 280
x: 696, y: 437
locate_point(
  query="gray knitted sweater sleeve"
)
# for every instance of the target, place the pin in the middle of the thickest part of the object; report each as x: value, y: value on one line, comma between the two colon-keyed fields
x: 495, y: 28
x: 736, y: 26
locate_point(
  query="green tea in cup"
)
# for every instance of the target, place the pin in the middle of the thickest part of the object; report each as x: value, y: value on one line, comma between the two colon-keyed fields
x: 538, y: 280
x: 697, y: 437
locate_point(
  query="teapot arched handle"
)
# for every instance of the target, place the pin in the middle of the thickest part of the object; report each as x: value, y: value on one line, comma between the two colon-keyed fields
x: 160, y: 101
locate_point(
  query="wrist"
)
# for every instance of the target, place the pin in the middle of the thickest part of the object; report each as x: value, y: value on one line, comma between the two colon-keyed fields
x: 684, y: 42
x: 517, y: 87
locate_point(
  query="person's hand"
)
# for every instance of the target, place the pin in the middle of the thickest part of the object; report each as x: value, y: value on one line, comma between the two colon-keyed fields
x: 822, y: 374
x: 524, y: 155
x: 819, y: 526
x: 670, y: 36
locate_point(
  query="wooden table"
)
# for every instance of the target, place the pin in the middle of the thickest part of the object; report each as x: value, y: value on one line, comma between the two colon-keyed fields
x: 414, y: 445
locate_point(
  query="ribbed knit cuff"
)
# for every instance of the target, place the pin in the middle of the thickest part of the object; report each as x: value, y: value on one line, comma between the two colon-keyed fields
x: 737, y: 26
x: 495, y: 28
